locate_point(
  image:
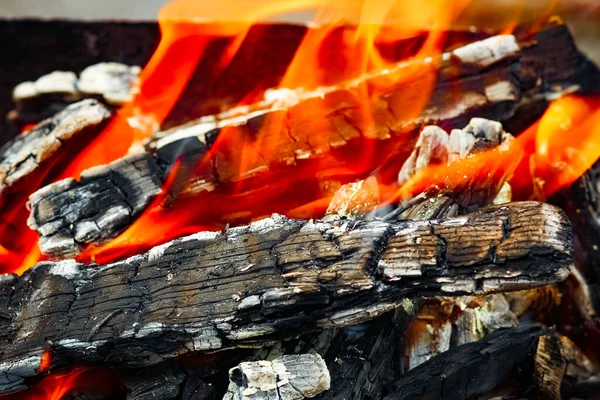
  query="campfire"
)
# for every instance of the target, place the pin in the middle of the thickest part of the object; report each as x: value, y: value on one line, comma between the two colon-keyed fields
x: 399, y: 200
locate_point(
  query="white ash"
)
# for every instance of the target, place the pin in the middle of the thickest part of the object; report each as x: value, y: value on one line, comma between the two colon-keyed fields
x: 290, y: 377
x: 67, y: 268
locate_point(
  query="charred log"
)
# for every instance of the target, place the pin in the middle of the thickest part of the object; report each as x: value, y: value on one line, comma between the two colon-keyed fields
x: 581, y: 202
x: 472, y: 369
x: 494, y: 78
x: 246, y: 286
x: 110, y: 83
x: 28, y: 157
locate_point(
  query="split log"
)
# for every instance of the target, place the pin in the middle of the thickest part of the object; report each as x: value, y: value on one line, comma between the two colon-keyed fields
x: 290, y: 377
x: 111, y: 83
x: 245, y: 286
x: 496, y: 78
x: 28, y: 157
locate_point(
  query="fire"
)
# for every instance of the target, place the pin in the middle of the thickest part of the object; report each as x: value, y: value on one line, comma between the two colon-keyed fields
x: 59, y: 386
x: 567, y: 142
x: 549, y: 156
x: 314, y: 68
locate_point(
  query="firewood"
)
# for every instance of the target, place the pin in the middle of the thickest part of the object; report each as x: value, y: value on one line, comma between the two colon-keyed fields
x: 472, y: 369
x: 369, y: 363
x: 111, y: 83
x: 245, y: 286
x: 290, y: 377
x: 511, y: 75
x: 28, y: 157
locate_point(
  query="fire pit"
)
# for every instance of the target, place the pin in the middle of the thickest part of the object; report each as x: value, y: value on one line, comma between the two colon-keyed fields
x: 383, y: 204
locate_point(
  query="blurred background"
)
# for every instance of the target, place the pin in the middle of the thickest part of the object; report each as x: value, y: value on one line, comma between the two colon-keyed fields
x: 582, y: 15
x: 89, y: 9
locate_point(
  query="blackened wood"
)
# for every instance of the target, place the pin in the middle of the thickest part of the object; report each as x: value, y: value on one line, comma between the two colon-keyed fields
x: 28, y: 157
x: 493, y: 86
x: 273, y: 279
x: 362, y: 359
x: 104, y: 199
x: 471, y: 369
x: 581, y: 202
x: 166, y: 381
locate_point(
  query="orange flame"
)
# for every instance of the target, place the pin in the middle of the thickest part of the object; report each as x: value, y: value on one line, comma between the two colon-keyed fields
x: 58, y: 386
x: 313, y: 67
x: 547, y: 157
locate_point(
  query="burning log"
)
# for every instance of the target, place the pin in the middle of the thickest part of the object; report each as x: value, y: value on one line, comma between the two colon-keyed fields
x: 289, y: 377
x: 112, y: 83
x: 496, y: 78
x: 244, y: 286
x: 28, y: 157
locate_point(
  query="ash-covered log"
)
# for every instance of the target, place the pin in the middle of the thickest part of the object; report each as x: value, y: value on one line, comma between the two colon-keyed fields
x: 275, y: 278
x: 290, y: 377
x: 111, y: 83
x: 502, y: 78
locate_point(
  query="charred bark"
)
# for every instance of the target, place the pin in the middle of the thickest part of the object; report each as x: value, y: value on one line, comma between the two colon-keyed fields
x: 494, y: 78
x: 167, y: 381
x: 28, y: 157
x: 581, y: 203
x: 362, y: 359
x: 473, y: 369
x: 273, y: 279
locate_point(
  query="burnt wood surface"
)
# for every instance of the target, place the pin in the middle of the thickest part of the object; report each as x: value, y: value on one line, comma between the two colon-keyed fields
x: 275, y: 278
x: 167, y: 381
x: 26, y: 159
x: 581, y: 202
x: 496, y: 78
x: 474, y: 368
x: 363, y: 359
